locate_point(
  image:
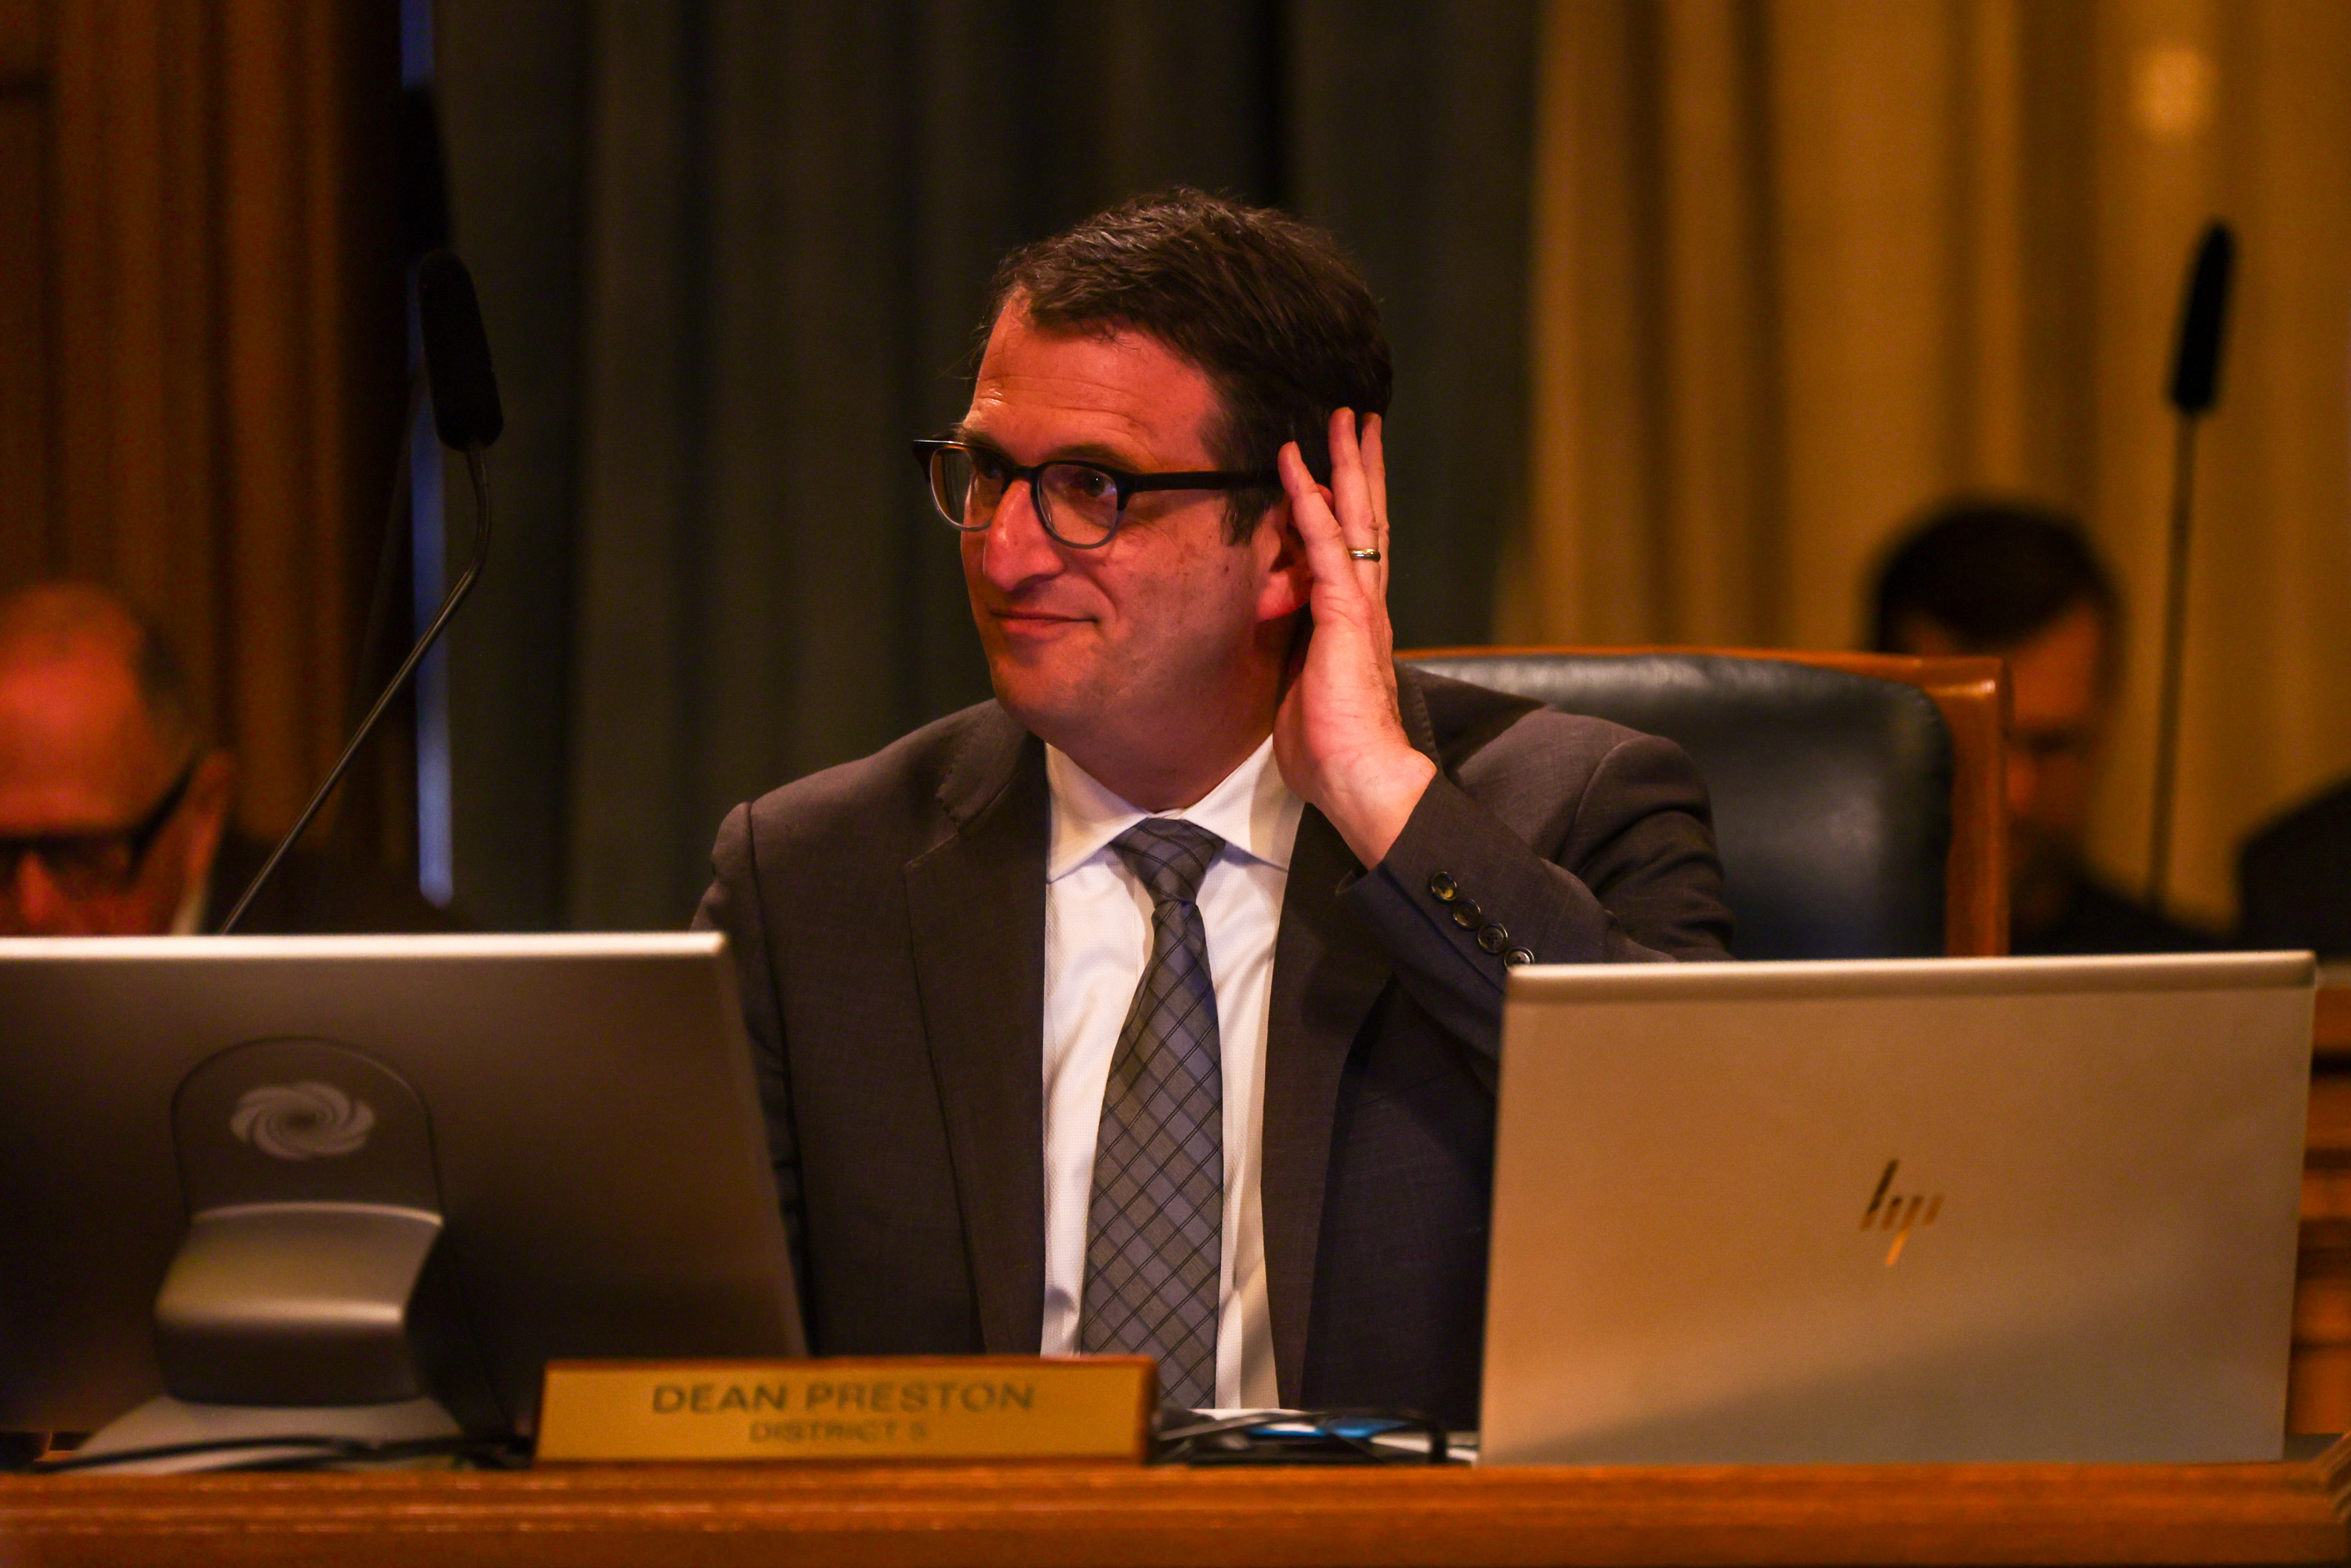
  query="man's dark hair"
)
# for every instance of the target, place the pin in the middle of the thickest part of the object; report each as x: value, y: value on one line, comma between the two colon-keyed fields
x: 1265, y: 305
x: 163, y: 683
x: 1992, y: 573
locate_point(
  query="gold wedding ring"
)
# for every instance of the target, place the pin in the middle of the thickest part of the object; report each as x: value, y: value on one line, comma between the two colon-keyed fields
x: 1372, y: 554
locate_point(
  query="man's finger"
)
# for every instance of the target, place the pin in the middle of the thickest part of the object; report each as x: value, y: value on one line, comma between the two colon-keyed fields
x: 1310, y: 502
x: 1376, y: 475
x: 1318, y: 526
x: 1351, y: 490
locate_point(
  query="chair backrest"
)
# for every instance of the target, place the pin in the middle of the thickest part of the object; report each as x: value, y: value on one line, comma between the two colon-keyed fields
x: 1858, y: 798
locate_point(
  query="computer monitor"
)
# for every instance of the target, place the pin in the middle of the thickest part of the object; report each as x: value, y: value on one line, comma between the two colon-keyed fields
x: 1908, y: 1212
x: 363, y: 1184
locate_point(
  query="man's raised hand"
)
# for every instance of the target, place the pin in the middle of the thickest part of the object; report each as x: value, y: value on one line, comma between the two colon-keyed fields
x: 1338, y: 736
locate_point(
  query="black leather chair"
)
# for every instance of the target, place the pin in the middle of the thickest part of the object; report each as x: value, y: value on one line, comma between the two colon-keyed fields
x: 1832, y: 790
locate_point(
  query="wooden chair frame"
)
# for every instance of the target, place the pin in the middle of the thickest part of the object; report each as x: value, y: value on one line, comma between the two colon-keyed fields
x: 1972, y: 696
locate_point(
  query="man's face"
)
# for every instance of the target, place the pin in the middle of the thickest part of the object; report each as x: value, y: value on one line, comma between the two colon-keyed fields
x: 78, y: 756
x: 2060, y: 686
x: 1105, y: 651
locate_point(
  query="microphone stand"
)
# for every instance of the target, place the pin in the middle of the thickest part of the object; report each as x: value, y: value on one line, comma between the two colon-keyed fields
x: 2195, y: 388
x: 477, y: 470
x: 2175, y: 659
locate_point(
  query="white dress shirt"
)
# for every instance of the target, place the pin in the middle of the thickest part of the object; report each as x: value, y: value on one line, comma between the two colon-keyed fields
x: 1097, y: 941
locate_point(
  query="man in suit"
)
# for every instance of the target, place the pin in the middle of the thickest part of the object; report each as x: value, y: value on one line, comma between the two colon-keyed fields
x: 114, y: 812
x: 1154, y: 1007
x: 2293, y: 878
x: 1990, y: 576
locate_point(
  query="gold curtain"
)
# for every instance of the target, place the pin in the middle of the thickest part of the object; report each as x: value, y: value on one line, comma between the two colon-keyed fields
x: 1803, y: 267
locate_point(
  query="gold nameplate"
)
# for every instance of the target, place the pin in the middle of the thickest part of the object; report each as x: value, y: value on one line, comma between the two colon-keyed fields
x: 886, y: 1408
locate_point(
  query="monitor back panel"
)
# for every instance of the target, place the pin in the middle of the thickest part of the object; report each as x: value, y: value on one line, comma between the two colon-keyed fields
x: 1912, y: 1211
x: 594, y: 1127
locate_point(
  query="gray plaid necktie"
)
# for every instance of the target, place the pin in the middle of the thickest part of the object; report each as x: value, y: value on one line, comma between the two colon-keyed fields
x: 1154, y: 1232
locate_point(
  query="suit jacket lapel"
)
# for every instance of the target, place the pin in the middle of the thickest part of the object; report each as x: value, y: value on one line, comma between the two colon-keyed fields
x: 1327, y: 974
x: 977, y: 901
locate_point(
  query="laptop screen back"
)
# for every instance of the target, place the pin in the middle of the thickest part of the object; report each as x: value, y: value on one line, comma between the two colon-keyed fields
x: 1999, y: 1209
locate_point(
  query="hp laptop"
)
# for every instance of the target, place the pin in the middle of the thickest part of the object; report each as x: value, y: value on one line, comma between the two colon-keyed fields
x: 1934, y: 1210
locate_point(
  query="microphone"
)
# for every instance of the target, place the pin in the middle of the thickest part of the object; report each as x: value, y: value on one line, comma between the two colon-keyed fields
x: 2195, y: 389
x: 465, y: 409
x: 2196, y: 363
x: 469, y: 417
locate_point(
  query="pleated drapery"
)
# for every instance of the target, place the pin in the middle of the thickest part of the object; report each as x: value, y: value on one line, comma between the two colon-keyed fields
x: 733, y: 255
x: 1805, y: 266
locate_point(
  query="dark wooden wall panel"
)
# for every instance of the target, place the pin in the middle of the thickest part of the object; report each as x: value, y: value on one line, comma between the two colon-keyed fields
x: 20, y: 39
x: 136, y: 426
x: 25, y: 545
x: 26, y: 541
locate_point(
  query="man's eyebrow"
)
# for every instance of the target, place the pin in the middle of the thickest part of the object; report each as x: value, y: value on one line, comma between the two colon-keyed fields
x: 1093, y: 452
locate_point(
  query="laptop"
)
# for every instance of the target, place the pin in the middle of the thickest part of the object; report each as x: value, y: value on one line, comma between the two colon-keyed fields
x: 1911, y: 1210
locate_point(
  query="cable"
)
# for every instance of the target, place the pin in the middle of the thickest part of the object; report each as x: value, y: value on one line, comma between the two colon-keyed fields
x: 1303, y: 1438
x: 483, y: 1453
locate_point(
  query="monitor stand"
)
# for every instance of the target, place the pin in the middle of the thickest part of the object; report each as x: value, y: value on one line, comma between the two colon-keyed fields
x: 312, y: 1293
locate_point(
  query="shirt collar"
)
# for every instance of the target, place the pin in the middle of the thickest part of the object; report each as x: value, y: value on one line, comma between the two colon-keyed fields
x: 1252, y: 811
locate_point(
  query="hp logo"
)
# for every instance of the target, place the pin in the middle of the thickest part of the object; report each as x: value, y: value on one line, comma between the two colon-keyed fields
x: 1890, y: 1210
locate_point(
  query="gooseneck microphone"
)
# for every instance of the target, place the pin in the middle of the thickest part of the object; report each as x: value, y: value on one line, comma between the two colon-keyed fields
x: 469, y: 418
x: 2195, y: 389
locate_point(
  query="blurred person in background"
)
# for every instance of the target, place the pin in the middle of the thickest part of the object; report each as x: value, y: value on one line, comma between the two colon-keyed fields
x: 114, y: 809
x: 2293, y: 878
x: 2022, y: 582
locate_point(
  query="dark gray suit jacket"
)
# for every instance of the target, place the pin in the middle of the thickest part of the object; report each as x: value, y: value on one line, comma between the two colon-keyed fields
x: 889, y: 920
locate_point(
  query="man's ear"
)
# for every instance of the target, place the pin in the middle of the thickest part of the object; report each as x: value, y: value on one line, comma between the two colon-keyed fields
x: 1286, y: 582
x: 211, y: 792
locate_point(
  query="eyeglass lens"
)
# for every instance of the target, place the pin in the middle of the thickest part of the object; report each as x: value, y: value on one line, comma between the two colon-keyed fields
x: 82, y: 866
x: 1077, y: 504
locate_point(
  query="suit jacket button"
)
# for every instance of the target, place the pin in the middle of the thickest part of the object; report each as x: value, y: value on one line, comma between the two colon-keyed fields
x: 1442, y: 888
x: 1467, y: 915
x: 1493, y: 938
x: 1517, y: 955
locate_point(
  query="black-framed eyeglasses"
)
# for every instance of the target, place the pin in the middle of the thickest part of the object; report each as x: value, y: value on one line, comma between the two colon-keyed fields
x: 1081, y: 504
x: 90, y: 865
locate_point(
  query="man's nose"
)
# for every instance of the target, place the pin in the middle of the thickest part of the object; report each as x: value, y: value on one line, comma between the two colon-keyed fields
x: 1014, y: 548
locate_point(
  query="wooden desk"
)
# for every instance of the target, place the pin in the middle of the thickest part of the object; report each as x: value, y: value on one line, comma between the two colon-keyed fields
x: 2320, y: 1400
x: 704, y: 1516
x: 1738, y: 1517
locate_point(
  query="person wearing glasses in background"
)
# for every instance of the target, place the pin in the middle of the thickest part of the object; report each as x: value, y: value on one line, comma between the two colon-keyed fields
x: 114, y: 812
x: 1154, y: 1007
